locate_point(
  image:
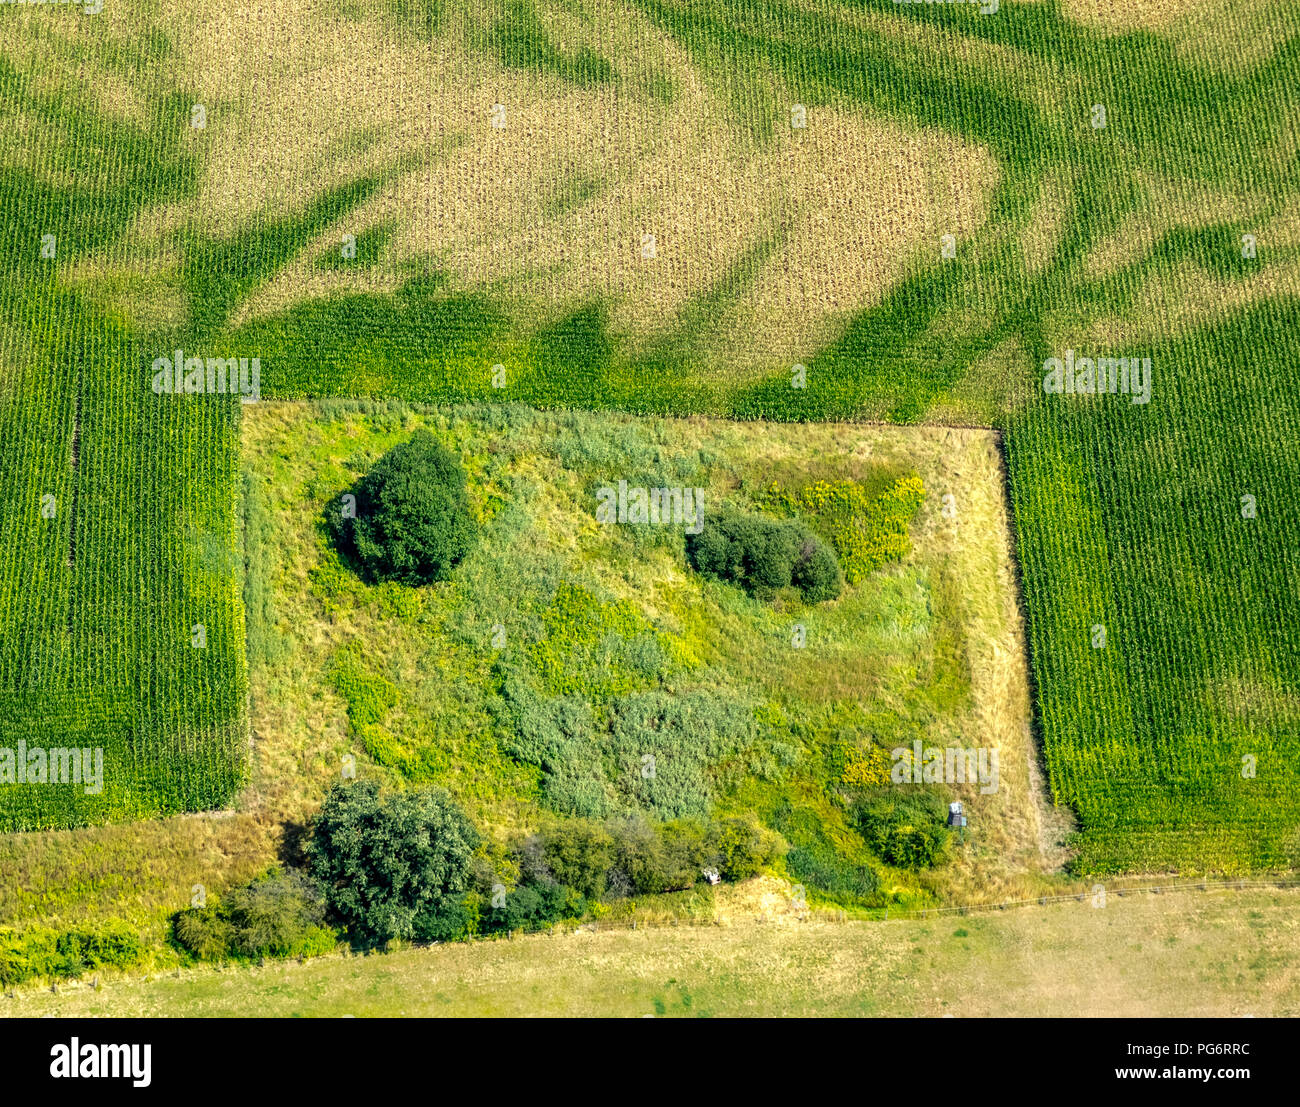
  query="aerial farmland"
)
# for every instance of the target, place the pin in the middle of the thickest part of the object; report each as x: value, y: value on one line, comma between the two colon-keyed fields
x: 529, y: 469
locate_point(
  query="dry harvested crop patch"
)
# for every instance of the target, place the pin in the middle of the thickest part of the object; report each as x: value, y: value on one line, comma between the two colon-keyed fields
x: 635, y: 256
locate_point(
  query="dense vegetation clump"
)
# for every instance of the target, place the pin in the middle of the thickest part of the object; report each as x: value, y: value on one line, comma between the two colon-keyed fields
x: 281, y: 914
x: 411, y: 520
x: 908, y: 829
x: 566, y: 869
x: 395, y: 865
x: 764, y: 556
x: 405, y: 866
x: 43, y: 953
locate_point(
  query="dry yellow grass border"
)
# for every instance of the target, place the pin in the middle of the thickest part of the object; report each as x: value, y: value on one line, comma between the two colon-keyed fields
x: 1193, y: 955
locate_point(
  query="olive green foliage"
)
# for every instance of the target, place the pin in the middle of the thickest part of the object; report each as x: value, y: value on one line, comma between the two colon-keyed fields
x: 580, y: 854
x: 633, y: 855
x: 822, y: 868
x: 411, y: 520
x: 825, y: 854
x: 744, y: 847
x: 281, y: 914
x: 204, y: 932
x: 764, y: 556
x: 274, y: 914
x: 907, y: 828
x: 392, y: 865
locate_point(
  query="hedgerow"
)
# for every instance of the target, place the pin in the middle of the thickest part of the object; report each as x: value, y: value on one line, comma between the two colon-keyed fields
x: 43, y: 953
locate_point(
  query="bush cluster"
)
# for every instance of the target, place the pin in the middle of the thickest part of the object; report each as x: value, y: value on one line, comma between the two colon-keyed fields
x: 281, y: 914
x: 41, y: 953
x: 764, y: 556
x: 908, y: 829
x: 402, y: 865
x: 567, y: 867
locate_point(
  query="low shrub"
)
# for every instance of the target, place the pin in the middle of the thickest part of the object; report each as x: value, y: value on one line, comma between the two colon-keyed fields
x: 41, y: 953
x: 763, y: 556
x: 744, y: 848
x: 281, y: 914
x: 579, y: 853
x: 205, y: 932
x: 828, y: 872
x: 274, y: 915
x: 822, y: 854
x: 816, y: 573
x: 908, y: 829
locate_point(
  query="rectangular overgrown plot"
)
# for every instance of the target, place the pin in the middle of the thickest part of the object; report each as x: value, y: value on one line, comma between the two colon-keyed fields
x: 595, y: 656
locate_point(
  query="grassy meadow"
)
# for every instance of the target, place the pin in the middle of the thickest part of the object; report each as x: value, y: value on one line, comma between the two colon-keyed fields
x: 450, y: 684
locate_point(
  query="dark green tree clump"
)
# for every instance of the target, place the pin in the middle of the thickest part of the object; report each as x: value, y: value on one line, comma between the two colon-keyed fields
x: 765, y: 555
x: 908, y: 829
x: 395, y: 865
x: 411, y: 519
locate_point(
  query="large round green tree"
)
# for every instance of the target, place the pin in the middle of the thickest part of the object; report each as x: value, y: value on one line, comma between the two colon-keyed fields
x: 395, y: 865
x: 411, y: 520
